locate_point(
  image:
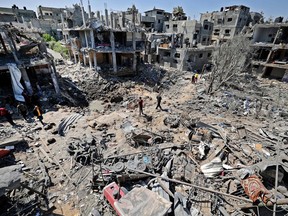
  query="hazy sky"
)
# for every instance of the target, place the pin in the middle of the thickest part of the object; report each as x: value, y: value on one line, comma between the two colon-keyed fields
x: 193, y: 8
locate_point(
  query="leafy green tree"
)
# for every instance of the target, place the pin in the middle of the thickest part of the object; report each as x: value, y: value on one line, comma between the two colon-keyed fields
x: 178, y: 13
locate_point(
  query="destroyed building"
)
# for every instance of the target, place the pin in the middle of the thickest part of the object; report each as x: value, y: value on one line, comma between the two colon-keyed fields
x: 227, y: 22
x: 201, y: 154
x: 270, y: 42
x: 183, y: 45
x: 189, y: 59
x: 22, y: 61
x: 72, y: 16
x: 117, y: 42
x: 16, y: 14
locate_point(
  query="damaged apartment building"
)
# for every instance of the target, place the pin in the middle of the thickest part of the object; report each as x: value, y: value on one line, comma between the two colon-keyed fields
x: 271, y: 58
x: 184, y: 44
x: 49, y: 19
x: 154, y: 19
x: 227, y: 22
x: 23, y: 63
x: 16, y: 14
x: 113, y: 42
x: 188, y: 44
x: 59, y: 18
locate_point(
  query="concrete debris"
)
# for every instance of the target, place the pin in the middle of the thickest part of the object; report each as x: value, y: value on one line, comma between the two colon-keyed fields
x: 200, y: 154
x: 66, y: 123
x: 140, y: 199
x: 10, y: 178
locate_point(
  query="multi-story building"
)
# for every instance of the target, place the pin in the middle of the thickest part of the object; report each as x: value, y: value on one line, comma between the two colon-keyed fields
x: 111, y: 41
x: 227, y: 22
x: 190, y: 59
x: 159, y: 15
x: 14, y: 14
x: 190, y: 29
x: 270, y: 42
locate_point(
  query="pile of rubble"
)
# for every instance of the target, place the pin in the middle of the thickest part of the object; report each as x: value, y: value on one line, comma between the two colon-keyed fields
x: 202, y: 154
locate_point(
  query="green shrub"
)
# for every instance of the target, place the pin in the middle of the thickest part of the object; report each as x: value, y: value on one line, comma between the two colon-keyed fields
x: 52, y: 44
x: 61, y: 49
x: 48, y: 37
x: 55, y: 45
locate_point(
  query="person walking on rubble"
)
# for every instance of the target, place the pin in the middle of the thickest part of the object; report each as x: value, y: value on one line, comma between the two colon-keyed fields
x: 140, y: 104
x: 22, y: 109
x: 193, y: 79
x: 38, y: 113
x: 159, y: 98
x: 5, y: 113
x: 196, y: 77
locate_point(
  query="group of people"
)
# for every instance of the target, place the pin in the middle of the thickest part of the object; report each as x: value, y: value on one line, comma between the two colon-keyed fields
x: 23, y: 110
x: 141, y: 104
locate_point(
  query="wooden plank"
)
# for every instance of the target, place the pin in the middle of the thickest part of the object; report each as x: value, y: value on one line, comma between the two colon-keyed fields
x: 12, y: 141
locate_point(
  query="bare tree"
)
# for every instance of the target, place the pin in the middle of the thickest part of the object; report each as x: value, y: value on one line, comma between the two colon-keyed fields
x: 229, y: 60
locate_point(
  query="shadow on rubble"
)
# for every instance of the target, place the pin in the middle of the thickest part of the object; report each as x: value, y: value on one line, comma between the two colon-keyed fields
x: 10, y: 206
x: 71, y: 94
x: 147, y: 117
x: 104, y: 83
x: 149, y: 75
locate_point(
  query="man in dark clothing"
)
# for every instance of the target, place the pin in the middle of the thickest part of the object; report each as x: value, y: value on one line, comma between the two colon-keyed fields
x: 159, y: 98
x: 4, y: 113
x: 193, y: 79
x: 140, y: 104
x: 22, y: 109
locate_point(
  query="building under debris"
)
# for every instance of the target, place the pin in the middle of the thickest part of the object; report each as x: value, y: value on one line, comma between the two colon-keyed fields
x: 216, y: 143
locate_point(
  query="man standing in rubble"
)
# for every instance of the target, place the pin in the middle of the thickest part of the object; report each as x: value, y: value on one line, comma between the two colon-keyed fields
x: 5, y: 113
x: 159, y: 98
x: 140, y: 105
x: 193, y: 79
x: 38, y: 113
x: 22, y: 109
x: 196, y: 77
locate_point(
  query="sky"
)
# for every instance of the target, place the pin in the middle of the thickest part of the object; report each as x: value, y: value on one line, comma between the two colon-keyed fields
x: 192, y: 8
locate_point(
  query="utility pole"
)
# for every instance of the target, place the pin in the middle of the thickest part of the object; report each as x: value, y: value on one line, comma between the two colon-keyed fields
x: 276, y: 177
x: 134, y: 39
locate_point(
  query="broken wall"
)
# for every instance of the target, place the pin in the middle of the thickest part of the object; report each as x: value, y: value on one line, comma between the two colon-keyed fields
x: 264, y: 35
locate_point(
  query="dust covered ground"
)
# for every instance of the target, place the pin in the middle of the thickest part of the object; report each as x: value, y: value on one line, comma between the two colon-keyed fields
x: 103, y: 104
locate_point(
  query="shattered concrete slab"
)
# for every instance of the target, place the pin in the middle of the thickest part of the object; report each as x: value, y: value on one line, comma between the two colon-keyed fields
x: 10, y: 178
